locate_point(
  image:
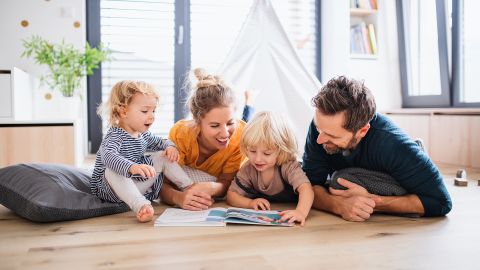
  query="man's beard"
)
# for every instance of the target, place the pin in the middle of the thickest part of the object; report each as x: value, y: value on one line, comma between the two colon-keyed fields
x: 332, y: 149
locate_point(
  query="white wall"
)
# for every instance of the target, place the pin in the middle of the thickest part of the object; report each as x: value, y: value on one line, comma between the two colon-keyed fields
x: 46, y: 20
x: 381, y: 75
x: 52, y: 20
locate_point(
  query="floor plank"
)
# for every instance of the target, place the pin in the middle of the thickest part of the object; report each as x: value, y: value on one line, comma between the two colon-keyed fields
x: 327, y: 241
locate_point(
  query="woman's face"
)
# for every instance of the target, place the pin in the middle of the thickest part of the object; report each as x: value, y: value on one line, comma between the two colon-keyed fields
x: 216, y: 127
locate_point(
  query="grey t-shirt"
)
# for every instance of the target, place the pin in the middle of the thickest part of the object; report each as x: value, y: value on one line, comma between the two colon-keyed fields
x: 250, y: 178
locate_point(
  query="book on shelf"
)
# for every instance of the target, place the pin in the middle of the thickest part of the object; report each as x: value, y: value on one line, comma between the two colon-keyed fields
x: 362, y: 39
x: 364, y: 4
x: 372, y: 38
x: 218, y: 217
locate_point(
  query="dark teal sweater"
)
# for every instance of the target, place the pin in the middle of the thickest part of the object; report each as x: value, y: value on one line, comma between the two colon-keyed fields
x: 385, y: 148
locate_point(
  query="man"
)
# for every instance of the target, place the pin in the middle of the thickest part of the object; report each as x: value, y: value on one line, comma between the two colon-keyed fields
x: 346, y: 132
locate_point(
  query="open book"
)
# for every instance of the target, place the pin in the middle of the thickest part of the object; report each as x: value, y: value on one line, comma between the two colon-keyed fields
x: 218, y: 217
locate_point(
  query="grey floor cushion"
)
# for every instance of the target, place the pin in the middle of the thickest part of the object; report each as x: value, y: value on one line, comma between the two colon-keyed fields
x: 51, y: 192
x: 374, y: 182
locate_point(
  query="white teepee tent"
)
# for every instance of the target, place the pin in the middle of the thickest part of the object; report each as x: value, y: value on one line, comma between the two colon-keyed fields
x: 263, y: 60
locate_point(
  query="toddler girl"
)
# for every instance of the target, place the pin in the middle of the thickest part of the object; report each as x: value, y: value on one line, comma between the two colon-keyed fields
x: 122, y: 170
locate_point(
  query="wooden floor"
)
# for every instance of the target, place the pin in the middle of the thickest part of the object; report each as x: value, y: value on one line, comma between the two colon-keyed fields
x: 326, y: 242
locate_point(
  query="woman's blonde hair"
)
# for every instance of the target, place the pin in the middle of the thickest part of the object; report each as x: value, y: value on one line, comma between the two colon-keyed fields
x: 209, y: 92
x: 120, y: 96
x: 274, y: 132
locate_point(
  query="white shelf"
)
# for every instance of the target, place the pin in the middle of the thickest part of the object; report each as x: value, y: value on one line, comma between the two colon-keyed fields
x: 364, y: 30
x: 361, y: 12
x: 364, y: 56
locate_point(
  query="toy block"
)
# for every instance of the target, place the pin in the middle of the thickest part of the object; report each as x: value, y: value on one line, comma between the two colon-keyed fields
x: 461, y: 173
x: 461, y: 182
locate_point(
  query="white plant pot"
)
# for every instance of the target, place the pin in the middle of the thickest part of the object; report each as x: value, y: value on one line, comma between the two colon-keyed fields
x: 50, y: 105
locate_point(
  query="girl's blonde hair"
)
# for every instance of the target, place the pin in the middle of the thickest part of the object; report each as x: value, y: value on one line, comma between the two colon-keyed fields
x: 274, y: 132
x: 209, y: 92
x: 120, y: 96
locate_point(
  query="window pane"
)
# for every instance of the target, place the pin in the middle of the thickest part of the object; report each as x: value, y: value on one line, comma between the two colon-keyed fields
x: 422, y: 47
x: 471, y: 52
x: 215, y: 25
x: 141, y: 35
x: 299, y: 20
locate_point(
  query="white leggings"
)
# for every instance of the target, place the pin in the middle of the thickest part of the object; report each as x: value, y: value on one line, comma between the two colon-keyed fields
x: 131, y: 192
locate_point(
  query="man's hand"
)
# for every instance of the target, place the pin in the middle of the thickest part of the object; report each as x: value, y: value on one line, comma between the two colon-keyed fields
x: 352, y: 189
x: 356, y: 204
x: 356, y: 208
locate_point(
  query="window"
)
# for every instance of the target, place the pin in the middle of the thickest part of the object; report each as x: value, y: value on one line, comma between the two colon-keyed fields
x: 141, y: 35
x: 427, y: 40
x: 424, y: 55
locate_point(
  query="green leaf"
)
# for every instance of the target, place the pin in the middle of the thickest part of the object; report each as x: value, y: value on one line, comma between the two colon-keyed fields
x: 67, y: 65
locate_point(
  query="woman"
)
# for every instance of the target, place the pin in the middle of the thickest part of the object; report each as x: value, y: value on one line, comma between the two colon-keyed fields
x: 209, y: 143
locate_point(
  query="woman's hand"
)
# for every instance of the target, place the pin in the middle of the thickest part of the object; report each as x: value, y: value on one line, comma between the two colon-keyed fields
x: 259, y: 204
x: 293, y: 215
x: 192, y: 199
x: 172, y: 153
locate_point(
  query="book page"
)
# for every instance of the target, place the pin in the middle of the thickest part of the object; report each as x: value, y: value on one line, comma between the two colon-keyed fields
x: 250, y: 216
x: 175, y: 215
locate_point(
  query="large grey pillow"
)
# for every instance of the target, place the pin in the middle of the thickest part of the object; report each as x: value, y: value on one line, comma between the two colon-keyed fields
x: 51, y: 192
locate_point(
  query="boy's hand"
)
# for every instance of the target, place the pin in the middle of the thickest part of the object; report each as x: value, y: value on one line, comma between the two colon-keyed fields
x: 259, y: 204
x: 144, y: 170
x: 172, y: 154
x: 292, y: 216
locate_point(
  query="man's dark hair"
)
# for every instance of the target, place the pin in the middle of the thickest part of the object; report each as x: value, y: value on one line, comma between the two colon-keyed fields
x: 349, y: 95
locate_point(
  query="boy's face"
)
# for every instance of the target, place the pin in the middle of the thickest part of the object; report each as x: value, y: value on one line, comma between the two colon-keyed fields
x: 139, y: 115
x: 261, y: 157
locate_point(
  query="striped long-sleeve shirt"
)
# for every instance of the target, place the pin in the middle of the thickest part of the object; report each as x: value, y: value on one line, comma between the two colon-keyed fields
x: 118, y: 152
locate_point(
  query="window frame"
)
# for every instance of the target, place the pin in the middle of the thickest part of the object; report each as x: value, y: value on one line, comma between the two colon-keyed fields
x: 451, y: 82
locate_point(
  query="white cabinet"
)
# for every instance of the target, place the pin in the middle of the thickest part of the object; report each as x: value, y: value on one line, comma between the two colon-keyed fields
x: 451, y: 136
x: 5, y: 94
x: 16, y: 92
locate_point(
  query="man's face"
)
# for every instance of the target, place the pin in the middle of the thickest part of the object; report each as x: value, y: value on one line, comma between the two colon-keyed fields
x: 332, y: 136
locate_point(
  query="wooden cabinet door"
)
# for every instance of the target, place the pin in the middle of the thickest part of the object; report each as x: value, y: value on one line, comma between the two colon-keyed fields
x: 45, y: 144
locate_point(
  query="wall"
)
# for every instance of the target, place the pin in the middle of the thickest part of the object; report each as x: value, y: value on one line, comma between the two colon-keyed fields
x: 382, y: 74
x: 52, y: 20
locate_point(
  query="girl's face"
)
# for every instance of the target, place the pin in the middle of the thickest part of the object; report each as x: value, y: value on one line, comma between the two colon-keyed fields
x: 138, y: 116
x: 216, y: 128
x: 261, y: 157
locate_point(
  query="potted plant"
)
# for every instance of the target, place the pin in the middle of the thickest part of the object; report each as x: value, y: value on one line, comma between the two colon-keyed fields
x: 67, y: 65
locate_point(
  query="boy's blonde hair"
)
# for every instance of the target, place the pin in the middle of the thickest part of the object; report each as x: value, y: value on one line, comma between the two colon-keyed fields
x: 209, y: 92
x: 274, y: 132
x: 120, y: 96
